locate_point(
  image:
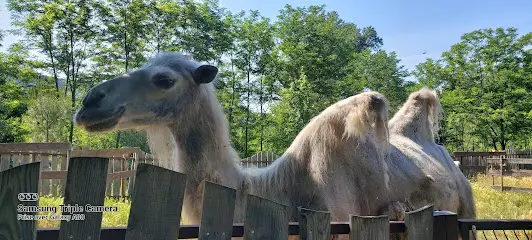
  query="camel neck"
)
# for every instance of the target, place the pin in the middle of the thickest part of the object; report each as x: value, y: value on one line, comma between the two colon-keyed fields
x: 202, y: 139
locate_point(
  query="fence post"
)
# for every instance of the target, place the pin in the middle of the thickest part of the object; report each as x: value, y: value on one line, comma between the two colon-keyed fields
x: 314, y: 225
x: 265, y: 219
x: 464, y: 230
x: 420, y: 223
x: 85, y: 185
x: 156, y: 203
x: 445, y: 225
x: 369, y: 227
x: 502, y: 172
x: 22, y: 179
x: 217, y: 212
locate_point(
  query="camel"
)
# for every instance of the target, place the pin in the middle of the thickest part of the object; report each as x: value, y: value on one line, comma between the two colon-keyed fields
x: 415, y: 156
x: 334, y: 164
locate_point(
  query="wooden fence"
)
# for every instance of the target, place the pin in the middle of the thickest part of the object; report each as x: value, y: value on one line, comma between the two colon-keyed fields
x: 156, y: 206
x: 122, y: 164
x: 52, y: 156
x: 474, y: 163
x: 121, y: 171
x: 261, y: 159
x: 157, y: 203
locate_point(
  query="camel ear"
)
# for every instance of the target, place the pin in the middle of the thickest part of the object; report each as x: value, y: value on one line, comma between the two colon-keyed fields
x: 205, y: 74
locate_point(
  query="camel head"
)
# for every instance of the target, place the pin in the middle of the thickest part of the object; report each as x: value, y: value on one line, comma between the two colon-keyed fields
x: 154, y: 94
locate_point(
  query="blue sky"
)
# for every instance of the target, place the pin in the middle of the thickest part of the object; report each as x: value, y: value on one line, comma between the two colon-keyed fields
x: 408, y: 27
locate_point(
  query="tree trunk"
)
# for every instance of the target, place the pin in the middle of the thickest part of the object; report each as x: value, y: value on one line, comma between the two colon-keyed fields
x: 261, y: 116
x: 502, y: 138
x: 73, y: 105
x: 462, y: 135
x: 233, y: 90
x: 247, y: 117
x: 126, y: 51
x: 73, y: 86
x: 494, y: 143
x: 51, y: 53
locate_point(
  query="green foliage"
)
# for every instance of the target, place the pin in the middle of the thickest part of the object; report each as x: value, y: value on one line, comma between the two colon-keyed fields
x: 274, y: 76
x: 486, y: 86
x: 299, y: 104
x: 16, y: 74
x: 47, y: 119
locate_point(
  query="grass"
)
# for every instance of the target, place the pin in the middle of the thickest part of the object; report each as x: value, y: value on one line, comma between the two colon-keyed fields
x: 493, y: 204
x: 490, y: 203
x: 109, y: 219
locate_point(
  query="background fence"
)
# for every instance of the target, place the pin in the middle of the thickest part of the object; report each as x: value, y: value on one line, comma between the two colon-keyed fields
x: 121, y: 170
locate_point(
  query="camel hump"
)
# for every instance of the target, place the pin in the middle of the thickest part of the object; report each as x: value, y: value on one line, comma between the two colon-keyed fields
x: 427, y: 96
x: 369, y: 115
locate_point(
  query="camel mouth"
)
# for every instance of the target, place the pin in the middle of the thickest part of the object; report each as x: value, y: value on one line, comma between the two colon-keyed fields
x: 104, y: 124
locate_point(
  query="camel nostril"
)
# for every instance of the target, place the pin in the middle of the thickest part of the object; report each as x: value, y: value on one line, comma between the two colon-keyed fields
x: 93, y: 99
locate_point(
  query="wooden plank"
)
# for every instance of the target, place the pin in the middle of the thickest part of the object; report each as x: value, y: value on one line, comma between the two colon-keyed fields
x: 54, y: 182
x: 54, y: 175
x: 502, y: 172
x: 63, y: 166
x: 370, y: 227
x: 123, y: 179
x: 35, y: 152
x: 85, y: 184
x: 107, y: 153
x: 519, y: 160
x: 477, y: 154
x: 34, y: 147
x: 108, y: 184
x: 22, y: 179
x: 445, y: 225
x: 16, y: 158
x: 314, y: 225
x: 4, y: 161
x: 26, y: 158
x: 265, y: 219
x: 420, y: 223
x: 116, y: 182
x: 134, y: 164
x: 156, y: 203
x: 217, y: 212
x: 45, y: 166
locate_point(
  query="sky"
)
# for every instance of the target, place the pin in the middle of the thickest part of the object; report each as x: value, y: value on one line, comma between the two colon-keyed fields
x: 408, y: 27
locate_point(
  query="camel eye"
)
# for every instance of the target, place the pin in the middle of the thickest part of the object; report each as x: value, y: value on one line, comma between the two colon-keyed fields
x: 162, y: 81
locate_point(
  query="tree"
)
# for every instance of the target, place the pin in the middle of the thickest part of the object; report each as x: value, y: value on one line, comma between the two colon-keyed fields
x: 377, y: 71
x: 288, y: 116
x: 254, y: 44
x: 122, y: 41
x: 486, y: 80
x: 37, y: 21
x: 1, y: 37
x: 17, y: 74
x: 165, y: 17
x: 47, y: 119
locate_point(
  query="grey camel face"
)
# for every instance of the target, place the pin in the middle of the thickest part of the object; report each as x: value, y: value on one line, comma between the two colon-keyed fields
x: 153, y: 94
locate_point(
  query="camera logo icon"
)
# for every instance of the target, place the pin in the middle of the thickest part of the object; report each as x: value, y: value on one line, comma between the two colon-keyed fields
x: 28, y: 197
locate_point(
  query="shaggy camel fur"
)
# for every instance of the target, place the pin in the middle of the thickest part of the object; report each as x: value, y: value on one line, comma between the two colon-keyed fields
x: 173, y: 99
x: 414, y: 156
